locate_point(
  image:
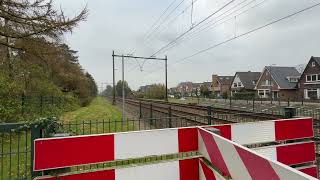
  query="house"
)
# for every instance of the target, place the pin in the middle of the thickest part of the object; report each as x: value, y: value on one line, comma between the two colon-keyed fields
x: 244, y: 82
x: 144, y: 89
x: 196, y: 88
x: 185, y: 88
x: 309, y: 83
x: 281, y: 81
x: 221, y: 85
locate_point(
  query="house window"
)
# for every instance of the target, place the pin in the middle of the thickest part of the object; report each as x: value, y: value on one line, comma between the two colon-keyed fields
x: 312, y: 78
x: 293, y: 80
x: 235, y: 85
x: 312, y: 93
x: 239, y: 84
x: 261, y: 93
x: 313, y: 64
x: 267, y: 83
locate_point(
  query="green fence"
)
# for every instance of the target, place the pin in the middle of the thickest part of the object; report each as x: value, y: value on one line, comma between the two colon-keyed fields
x: 16, y: 153
x: 20, y: 107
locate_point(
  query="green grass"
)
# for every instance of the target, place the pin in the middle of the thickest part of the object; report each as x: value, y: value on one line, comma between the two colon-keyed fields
x: 99, y: 117
x: 98, y: 109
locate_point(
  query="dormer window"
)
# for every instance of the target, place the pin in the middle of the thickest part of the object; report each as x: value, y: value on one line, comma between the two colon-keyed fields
x: 313, y: 64
x: 293, y: 79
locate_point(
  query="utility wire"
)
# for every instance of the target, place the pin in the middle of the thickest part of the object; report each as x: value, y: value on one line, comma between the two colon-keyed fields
x: 248, y: 32
x: 173, y: 19
x: 243, y: 34
x: 159, y: 25
x: 180, y: 36
x: 195, y: 33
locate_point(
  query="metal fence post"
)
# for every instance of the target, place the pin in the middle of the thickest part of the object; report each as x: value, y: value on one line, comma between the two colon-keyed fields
x: 41, y: 104
x: 52, y: 101
x: 169, y: 114
x: 253, y: 103
x: 209, y: 109
x: 36, y: 133
x: 151, y: 114
x: 22, y: 103
x: 140, y: 109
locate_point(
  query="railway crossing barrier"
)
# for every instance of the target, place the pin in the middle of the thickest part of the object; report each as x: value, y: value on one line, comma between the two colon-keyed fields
x: 274, y: 147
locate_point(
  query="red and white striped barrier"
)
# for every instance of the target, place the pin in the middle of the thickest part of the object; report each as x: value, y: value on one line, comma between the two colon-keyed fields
x: 240, y: 163
x: 53, y: 153
x: 229, y: 157
x: 208, y: 173
x: 267, y: 131
x: 310, y: 170
x: 174, y: 170
x: 290, y: 154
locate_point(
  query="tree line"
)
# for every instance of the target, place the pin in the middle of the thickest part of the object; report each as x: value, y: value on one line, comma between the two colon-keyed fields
x: 34, y: 61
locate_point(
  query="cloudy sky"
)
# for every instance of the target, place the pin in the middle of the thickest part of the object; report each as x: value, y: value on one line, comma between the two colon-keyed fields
x: 126, y: 27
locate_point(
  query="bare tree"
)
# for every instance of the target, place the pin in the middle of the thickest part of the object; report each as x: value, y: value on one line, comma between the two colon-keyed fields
x: 27, y: 20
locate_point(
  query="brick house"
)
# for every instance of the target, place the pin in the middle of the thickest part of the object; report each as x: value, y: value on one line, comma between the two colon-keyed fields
x: 221, y: 85
x: 244, y: 82
x: 185, y: 88
x: 281, y: 81
x: 309, y: 83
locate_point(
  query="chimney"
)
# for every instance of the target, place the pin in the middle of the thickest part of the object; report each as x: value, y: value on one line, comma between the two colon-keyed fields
x: 215, y: 80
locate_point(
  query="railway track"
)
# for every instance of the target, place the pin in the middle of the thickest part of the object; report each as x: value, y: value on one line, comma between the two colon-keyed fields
x: 215, y: 116
x: 193, y: 117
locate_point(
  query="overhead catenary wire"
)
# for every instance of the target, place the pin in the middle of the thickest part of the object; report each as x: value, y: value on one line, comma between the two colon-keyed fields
x: 148, y: 33
x: 195, y: 33
x: 242, y: 12
x: 162, y: 14
x: 248, y: 32
x: 172, y: 20
x: 196, y: 25
x: 239, y: 36
x: 168, y: 15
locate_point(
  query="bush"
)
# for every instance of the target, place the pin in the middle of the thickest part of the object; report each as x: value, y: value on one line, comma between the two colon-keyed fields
x: 244, y: 95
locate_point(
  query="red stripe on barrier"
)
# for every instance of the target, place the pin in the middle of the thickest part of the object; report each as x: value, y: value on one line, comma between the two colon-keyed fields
x: 296, y: 153
x: 214, y: 152
x: 312, y: 171
x: 293, y: 129
x: 208, y: 173
x: 188, y: 139
x: 66, y: 152
x: 98, y: 175
x: 189, y: 169
x: 225, y: 130
x: 258, y: 168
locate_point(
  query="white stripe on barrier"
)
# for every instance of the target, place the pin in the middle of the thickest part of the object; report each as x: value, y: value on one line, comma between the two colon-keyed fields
x: 250, y: 133
x: 241, y: 161
x: 160, y: 171
x: 233, y: 161
x: 146, y: 143
x: 211, y: 175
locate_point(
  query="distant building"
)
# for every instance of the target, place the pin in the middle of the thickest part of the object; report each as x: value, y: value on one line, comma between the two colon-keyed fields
x: 221, y: 85
x: 309, y: 83
x: 172, y: 90
x: 280, y: 81
x: 185, y: 88
x: 244, y: 82
x: 144, y: 89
